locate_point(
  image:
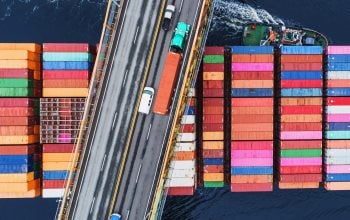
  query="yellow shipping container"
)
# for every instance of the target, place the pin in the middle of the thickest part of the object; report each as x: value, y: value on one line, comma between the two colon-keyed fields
x: 213, y: 75
x: 58, y: 157
x: 23, y: 139
x: 65, y: 92
x: 213, y: 145
x: 19, y: 55
x: 213, y: 177
x: 19, y: 64
x: 19, y: 187
x: 56, y: 165
x: 21, y: 46
x: 37, y: 75
x: 16, y: 177
x: 29, y: 194
x: 213, y: 135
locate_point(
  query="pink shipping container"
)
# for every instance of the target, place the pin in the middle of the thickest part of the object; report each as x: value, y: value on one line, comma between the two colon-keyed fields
x: 58, y: 148
x: 338, y: 50
x: 252, y: 67
x: 251, y: 154
x: 300, y: 135
x: 66, y: 47
x: 251, y: 145
x: 17, y: 102
x: 338, y: 117
x: 301, y: 161
x: 337, y: 168
x: 66, y: 74
x: 252, y: 162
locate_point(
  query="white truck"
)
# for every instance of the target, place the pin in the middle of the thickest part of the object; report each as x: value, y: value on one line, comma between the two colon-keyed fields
x: 168, y: 15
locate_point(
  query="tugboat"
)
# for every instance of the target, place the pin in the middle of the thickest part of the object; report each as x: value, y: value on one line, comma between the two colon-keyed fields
x: 259, y: 34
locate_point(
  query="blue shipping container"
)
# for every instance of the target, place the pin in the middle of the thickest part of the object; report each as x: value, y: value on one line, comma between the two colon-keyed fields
x: 16, y: 159
x: 67, y: 65
x: 338, y: 177
x: 287, y: 75
x: 252, y: 50
x: 213, y: 161
x: 251, y: 170
x: 301, y: 92
x: 338, y: 66
x: 252, y: 92
x: 189, y: 110
x: 338, y: 126
x: 338, y: 58
x: 338, y: 92
x: 16, y: 168
x: 301, y: 50
x: 56, y: 175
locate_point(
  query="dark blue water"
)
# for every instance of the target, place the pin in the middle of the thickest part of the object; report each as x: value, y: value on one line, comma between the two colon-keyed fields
x: 81, y: 21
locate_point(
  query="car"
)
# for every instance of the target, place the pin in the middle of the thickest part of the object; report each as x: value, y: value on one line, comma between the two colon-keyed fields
x: 115, y: 216
x: 168, y: 15
x: 146, y: 100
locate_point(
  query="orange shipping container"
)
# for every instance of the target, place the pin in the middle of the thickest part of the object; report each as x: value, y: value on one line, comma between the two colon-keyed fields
x: 305, y: 185
x: 56, y: 165
x: 29, y: 194
x: 65, y: 92
x: 252, y: 83
x: 252, y: 127
x: 338, y: 83
x: 213, y: 168
x: 19, y: 55
x: 251, y: 110
x: 213, y: 177
x: 337, y: 185
x: 213, y: 135
x: 213, y: 110
x: 342, y: 144
x: 251, y: 179
x: 302, y: 118
x: 237, y: 119
x: 58, y: 157
x: 16, y: 177
x: 182, y: 155
x: 213, y: 145
x: 19, y: 187
x: 21, y: 46
x: 301, y: 101
x: 16, y: 130
x: 19, y: 64
x: 213, y: 75
x: 72, y: 83
x: 256, y: 135
x: 301, y: 58
x: 18, y: 149
x: 167, y: 83
x: 252, y: 58
x: 23, y: 139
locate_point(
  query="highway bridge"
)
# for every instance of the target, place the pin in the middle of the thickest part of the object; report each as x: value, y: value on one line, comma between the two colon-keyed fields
x: 121, y: 157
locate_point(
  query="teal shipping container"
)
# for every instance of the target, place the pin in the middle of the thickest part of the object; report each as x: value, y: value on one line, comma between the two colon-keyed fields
x: 65, y: 56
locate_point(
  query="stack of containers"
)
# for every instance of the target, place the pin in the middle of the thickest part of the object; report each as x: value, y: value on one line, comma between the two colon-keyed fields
x: 213, y: 117
x: 182, y: 172
x: 252, y: 118
x: 301, y: 117
x: 20, y: 155
x: 337, y: 135
x: 66, y: 72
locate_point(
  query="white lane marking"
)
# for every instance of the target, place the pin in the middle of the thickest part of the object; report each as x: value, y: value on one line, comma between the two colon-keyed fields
x: 182, y: 2
x: 103, y: 162
x: 149, y: 131
x: 121, y: 27
x: 137, y: 31
x: 125, y: 75
x: 92, y: 205
x: 138, y: 174
x: 127, y: 214
x: 115, y: 117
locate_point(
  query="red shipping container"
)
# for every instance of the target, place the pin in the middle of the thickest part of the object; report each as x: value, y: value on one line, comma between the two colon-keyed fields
x: 334, y: 144
x: 311, y: 109
x: 213, y: 127
x: 300, y: 169
x: 17, y: 102
x: 301, y: 126
x: 301, y: 58
x: 17, y: 149
x: 66, y: 74
x: 18, y: 120
x: 251, y: 145
x: 213, y: 153
x: 58, y: 148
x: 293, y: 178
x: 301, y: 66
x: 180, y: 191
x: 213, y: 92
x: 63, y: 83
x: 338, y: 83
x: 252, y: 75
x: 213, y: 119
x: 213, y: 110
x: 213, y: 84
x: 301, y: 83
x: 251, y: 111
x: 250, y: 102
x: 304, y: 144
x: 214, y: 50
x: 66, y: 47
x: 251, y: 187
x: 213, y: 67
x: 213, y: 101
x: 213, y: 168
x: 338, y: 101
x: 16, y: 73
x: 237, y: 119
x: 53, y: 184
x: 16, y: 111
x: 187, y: 128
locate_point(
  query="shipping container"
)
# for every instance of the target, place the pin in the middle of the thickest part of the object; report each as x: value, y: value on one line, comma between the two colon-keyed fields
x: 251, y: 92
x: 257, y: 135
x: 264, y: 75
x: 338, y: 66
x: 337, y: 143
x: 301, y: 101
x: 249, y: 162
x: 178, y: 147
x: 213, y: 84
x: 190, y: 173
x: 36, y: 48
x: 337, y: 126
x: 213, y: 145
x: 338, y: 75
x: 337, y: 168
x: 213, y: 135
x: 19, y: 187
x: 213, y: 176
x: 213, y: 75
x: 249, y: 102
x: 188, y: 119
x: 338, y: 83
x: 182, y: 164
x: 63, y: 83
x: 338, y: 177
x: 213, y: 92
x: 301, y: 50
x: 19, y: 55
x: 213, y: 67
x: 252, y: 127
x: 302, y: 92
x: 251, y: 179
x: 213, y: 127
x: 213, y: 153
x: 53, y: 184
x: 301, y: 169
x: 66, y: 74
x: 213, y: 161
x: 251, y: 154
x: 66, y: 47
x: 17, y: 73
x: 251, y: 110
x: 300, y: 135
x: 53, y: 193
x: 213, y: 110
x: 251, y: 170
x: 338, y: 117
x: 58, y: 157
x: 19, y: 139
x: 29, y: 194
x: 180, y: 191
x: 302, y: 75
x: 5, y: 120
x: 338, y: 50
x: 252, y: 67
x: 213, y: 183
x: 16, y: 177
x: 301, y: 126
x: 213, y: 119
x: 179, y: 182
x: 301, y: 153
x: 213, y: 59
x: 301, y: 58
x: 300, y: 185
x: 301, y: 83
x: 313, y: 109
x: 18, y: 149
x: 65, y: 92
x: 213, y: 102
x: 252, y: 145
x: 67, y: 56
x: 251, y: 187
x: 252, y: 84
x: 301, y: 118
x: 337, y: 185
x: 297, y: 178
x: 304, y: 144
x: 189, y: 155
x: 252, y: 50
x: 252, y: 58
x: 338, y: 58
x: 305, y: 161
x: 337, y: 135
x: 213, y: 50
x: 187, y: 128
x: 336, y: 160
x: 66, y: 65
x: 213, y: 169
x: 249, y: 118
x: 19, y: 64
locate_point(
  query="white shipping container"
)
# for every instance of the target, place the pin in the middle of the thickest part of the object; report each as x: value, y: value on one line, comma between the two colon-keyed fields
x: 185, y: 146
x: 182, y: 164
x: 188, y: 119
x: 53, y: 193
x: 337, y: 152
x: 179, y: 182
x: 186, y: 137
x: 343, y: 109
x: 338, y: 75
x: 336, y: 160
x: 181, y: 173
x: 191, y: 92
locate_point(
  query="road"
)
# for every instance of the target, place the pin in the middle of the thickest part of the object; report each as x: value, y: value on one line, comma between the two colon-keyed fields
x: 151, y: 132
x: 125, y: 72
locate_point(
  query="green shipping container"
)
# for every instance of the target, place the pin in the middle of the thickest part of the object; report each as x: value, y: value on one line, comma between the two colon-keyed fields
x: 16, y: 83
x: 16, y: 92
x: 213, y: 59
x: 301, y: 153
x: 65, y: 56
x: 213, y: 184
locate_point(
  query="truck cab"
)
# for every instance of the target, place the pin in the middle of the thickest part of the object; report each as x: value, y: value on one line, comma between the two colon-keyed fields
x: 168, y: 15
x: 115, y: 216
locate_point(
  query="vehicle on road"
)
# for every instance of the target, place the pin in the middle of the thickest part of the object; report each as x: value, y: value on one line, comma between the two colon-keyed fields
x: 168, y: 15
x: 178, y: 41
x: 146, y: 100
x: 115, y: 216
